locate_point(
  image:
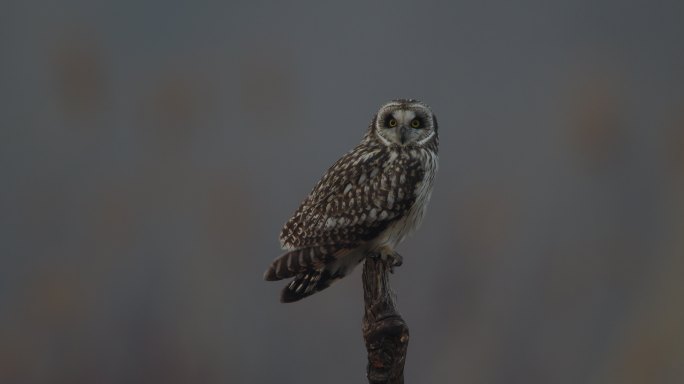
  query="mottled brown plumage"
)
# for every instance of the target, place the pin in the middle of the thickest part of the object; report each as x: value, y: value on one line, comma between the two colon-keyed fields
x: 366, y: 203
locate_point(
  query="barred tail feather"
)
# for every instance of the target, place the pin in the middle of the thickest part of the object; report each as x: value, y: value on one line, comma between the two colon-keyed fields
x: 295, y: 262
x: 313, y: 269
x: 306, y: 284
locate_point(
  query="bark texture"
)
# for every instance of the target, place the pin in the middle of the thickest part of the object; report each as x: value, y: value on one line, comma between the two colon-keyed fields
x: 384, y: 331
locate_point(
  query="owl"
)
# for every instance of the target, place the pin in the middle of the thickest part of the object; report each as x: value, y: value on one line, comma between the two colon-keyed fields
x: 364, y: 205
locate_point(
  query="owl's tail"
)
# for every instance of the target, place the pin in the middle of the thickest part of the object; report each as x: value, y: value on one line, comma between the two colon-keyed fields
x: 314, y: 269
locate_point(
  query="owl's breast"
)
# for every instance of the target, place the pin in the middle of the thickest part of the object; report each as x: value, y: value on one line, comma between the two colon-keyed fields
x: 413, y: 217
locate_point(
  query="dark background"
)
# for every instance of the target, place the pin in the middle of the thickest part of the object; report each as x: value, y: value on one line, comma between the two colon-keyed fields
x: 151, y: 151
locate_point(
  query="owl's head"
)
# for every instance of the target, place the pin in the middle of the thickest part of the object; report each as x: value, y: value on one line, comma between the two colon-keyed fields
x: 405, y: 122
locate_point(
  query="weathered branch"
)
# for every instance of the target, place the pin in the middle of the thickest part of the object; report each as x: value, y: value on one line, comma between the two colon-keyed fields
x: 384, y: 331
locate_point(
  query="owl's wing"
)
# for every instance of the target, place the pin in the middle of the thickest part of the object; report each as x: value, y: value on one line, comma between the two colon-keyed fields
x: 359, y: 196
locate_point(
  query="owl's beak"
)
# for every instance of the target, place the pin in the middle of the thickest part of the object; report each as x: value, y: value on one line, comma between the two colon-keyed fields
x: 403, y: 134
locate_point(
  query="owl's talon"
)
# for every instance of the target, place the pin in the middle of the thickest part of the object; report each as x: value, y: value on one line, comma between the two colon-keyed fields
x: 392, y: 259
x: 397, y: 260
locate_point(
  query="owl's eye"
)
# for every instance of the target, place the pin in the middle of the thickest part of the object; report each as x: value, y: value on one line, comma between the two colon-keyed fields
x: 392, y: 123
x: 415, y: 123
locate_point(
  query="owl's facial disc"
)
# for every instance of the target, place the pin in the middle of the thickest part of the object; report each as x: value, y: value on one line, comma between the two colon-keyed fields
x: 402, y: 126
x: 404, y: 122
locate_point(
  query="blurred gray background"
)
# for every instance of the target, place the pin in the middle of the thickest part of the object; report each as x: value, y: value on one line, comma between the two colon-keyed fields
x: 151, y: 151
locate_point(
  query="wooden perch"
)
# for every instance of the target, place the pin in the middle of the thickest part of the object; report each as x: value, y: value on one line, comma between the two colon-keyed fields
x: 384, y: 331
